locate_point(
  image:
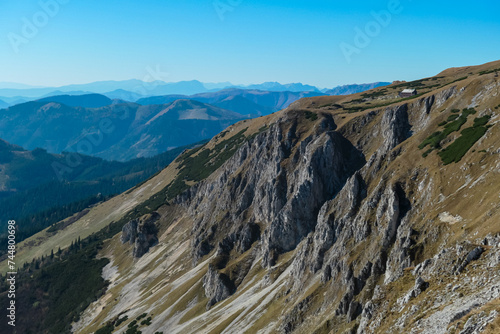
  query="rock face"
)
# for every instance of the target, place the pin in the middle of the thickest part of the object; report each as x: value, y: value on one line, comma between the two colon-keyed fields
x: 286, y: 174
x: 472, y: 256
x: 217, y: 286
x: 142, y: 233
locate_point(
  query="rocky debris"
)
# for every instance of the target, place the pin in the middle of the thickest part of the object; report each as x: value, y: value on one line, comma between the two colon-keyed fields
x: 492, y: 258
x: 449, y: 260
x: 419, y: 287
x: 464, y: 312
x: 477, y: 323
x: 217, y: 286
x: 142, y: 233
x: 472, y: 256
x: 421, y: 267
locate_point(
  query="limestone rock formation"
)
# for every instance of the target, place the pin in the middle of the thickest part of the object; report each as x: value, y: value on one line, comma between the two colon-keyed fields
x: 142, y: 233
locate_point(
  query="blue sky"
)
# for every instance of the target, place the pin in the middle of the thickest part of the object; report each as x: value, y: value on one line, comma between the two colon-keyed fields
x: 244, y: 42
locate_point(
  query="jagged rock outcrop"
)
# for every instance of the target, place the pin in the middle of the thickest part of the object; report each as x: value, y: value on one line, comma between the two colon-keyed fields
x: 304, y: 174
x: 420, y: 286
x: 472, y: 256
x: 345, y: 217
x: 217, y: 286
x: 142, y: 233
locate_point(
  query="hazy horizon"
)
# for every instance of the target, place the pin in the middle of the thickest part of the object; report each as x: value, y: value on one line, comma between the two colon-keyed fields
x: 54, y: 43
x: 29, y: 86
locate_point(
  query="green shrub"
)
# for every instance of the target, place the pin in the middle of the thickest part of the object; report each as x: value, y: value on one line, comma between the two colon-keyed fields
x: 108, y: 329
x: 433, y: 140
x: 456, y: 151
x: 312, y: 116
x: 426, y: 153
x: 454, y: 123
x: 481, y: 121
x: 120, y: 321
x: 489, y: 71
x: 468, y: 111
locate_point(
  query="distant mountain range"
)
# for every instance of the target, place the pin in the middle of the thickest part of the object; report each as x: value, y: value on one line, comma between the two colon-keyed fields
x: 132, y: 90
x: 152, y: 125
x: 131, y: 130
x: 246, y: 102
x: 120, y: 131
x: 277, y: 87
x: 123, y: 95
x: 353, y: 89
x: 14, y: 85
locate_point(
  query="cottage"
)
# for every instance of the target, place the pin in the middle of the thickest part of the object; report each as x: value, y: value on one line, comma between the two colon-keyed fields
x: 408, y: 93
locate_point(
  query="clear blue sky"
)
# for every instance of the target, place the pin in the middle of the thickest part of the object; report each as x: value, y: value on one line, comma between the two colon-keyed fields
x: 257, y: 41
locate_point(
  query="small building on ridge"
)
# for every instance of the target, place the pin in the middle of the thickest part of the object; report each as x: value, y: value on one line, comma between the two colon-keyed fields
x: 408, y: 93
